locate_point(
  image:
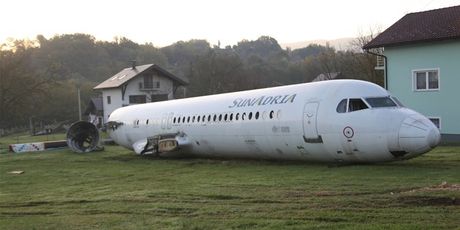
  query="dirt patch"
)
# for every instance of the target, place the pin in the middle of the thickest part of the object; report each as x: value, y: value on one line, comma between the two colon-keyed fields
x: 42, y: 203
x: 429, y: 201
x: 444, y: 186
x: 29, y: 213
x: 423, y: 200
x: 222, y: 197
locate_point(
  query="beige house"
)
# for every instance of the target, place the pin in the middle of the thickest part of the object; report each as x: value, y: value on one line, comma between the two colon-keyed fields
x: 137, y: 85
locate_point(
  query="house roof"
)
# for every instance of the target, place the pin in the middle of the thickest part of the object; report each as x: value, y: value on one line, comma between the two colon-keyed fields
x: 129, y: 73
x: 426, y: 26
x: 328, y: 76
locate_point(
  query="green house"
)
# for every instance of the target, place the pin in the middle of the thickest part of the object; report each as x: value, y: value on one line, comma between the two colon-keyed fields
x: 420, y: 55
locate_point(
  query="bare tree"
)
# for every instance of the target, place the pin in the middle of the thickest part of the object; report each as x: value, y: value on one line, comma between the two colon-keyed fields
x: 363, y: 61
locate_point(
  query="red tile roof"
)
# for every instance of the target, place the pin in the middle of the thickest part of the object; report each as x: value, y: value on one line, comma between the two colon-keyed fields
x: 427, y: 26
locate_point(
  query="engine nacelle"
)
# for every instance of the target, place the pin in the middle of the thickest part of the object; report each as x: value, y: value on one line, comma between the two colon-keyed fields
x: 83, y: 137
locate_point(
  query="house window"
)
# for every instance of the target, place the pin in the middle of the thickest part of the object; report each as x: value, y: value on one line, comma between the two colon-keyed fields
x: 109, y: 100
x: 137, y: 99
x: 426, y: 79
x: 148, y: 82
x: 436, y: 121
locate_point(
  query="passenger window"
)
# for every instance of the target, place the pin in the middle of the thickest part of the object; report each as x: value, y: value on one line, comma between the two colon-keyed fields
x: 250, y: 116
x: 225, y: 117
x: 209, y: 118
x: 237, y: 116
x: 342, y: 107
x: 198, y: 119
x: 257, y: 115
x: 231, y: 117
x: 203, y: 118
x: 272, y: 114
x: 183, y: 119
x: 355, y: 104
x: 243, y: 116
x: 193, y: 119
x: 220, y: 117
x: 215, y: 118
x: 147, y: 122
x: 188, y: 119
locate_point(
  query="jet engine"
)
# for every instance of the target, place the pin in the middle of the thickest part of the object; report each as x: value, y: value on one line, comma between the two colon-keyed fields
x: 83, y: 137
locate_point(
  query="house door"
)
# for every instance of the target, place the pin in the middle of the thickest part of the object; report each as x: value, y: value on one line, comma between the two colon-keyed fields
x: 310, y: 128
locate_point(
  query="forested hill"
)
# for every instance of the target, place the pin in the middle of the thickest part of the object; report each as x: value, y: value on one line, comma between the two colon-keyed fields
x: 39, y: 78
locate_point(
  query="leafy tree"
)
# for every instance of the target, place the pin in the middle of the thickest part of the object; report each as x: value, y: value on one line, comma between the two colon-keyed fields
x: 311, y: 50
x: 217, y: 71
x: 18, y: 85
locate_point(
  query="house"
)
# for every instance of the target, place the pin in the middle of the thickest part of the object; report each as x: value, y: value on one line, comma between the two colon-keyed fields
x: 422, y: 53
x: 136, y: 85
x: 328, y: 76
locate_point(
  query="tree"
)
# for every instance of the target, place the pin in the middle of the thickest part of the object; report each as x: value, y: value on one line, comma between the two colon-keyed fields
x: 311, y: 50
x: 364, y: 62
x: 218, y: 71
x: 19, y: 86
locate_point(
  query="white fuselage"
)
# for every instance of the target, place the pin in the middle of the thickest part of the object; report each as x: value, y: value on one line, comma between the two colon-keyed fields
x: 329, y: 121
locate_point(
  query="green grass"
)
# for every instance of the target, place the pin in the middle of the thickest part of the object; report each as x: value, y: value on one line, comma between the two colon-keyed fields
x: 116, y: 189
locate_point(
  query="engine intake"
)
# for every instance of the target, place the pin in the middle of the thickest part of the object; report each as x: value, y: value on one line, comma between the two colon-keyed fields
x: 83, y: 137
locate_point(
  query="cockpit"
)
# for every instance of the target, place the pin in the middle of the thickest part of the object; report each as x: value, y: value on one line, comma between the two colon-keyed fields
x: 349, y: 105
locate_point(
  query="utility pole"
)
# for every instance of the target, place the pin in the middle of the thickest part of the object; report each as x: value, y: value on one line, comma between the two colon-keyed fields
x: 79, y: 102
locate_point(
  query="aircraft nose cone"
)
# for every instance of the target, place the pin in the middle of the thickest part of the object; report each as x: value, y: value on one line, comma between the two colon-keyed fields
x: 434, y: 137
x: 418, y: 135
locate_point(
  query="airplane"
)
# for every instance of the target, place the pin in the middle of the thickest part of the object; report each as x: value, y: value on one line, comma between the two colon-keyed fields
x: 336, y: 121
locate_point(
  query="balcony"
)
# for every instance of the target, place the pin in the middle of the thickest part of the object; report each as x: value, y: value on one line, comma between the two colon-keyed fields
x: 149, y: 87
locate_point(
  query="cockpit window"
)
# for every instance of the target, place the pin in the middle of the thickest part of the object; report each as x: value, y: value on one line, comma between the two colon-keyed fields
x: 355, y: 104
x: 397, y: 102
x: 377, y: 102
x: 342, y: 107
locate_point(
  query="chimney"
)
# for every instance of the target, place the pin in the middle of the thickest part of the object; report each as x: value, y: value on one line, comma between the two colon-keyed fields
x: 133, y: 64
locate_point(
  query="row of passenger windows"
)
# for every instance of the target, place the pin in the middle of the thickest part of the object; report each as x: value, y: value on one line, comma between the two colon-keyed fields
x: 227, y: 117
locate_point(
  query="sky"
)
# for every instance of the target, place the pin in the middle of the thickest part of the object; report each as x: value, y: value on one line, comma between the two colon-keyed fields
x: 226, y: 21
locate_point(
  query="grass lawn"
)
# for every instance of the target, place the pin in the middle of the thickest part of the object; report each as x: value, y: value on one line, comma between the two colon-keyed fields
x: 116, y: 189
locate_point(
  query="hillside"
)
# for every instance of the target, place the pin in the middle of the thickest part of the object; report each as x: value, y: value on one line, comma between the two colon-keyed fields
x: 338, y: 44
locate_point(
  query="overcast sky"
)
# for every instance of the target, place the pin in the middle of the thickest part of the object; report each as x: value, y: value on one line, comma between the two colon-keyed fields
x: 228, y: 21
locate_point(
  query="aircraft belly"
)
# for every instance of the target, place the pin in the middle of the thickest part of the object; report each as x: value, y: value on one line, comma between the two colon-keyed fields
x: 257, y: 146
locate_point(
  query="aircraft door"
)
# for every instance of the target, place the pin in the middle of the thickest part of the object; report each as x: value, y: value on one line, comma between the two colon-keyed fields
x: 169, y: 121
x: 164, y: 120
x: 310, y: 128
